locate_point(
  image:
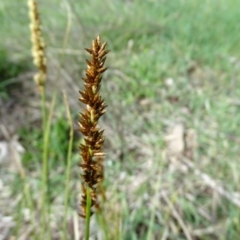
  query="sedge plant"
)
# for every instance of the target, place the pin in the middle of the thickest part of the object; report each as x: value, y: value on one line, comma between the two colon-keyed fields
x: 39, y: 59
x: 91, y: 150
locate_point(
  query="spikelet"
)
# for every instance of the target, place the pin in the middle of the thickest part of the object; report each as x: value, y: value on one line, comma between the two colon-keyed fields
x: 38, y: 44
x: 91, y: 151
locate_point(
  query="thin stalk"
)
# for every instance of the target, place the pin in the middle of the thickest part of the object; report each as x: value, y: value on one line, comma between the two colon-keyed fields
x: 47, y: 124
x: 44, y: 159
x: 44, y: 110
x: 70, y: 143
x: 29, y: 203
x: 45, y: 171
x: 88, y: 214
x: 69, y: 156
x: 39, y: 59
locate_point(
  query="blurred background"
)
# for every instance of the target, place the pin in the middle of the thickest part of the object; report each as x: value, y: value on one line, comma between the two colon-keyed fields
x: 172, y: 131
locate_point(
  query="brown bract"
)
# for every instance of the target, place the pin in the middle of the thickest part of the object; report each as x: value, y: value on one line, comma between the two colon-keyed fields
x: 91, y: 150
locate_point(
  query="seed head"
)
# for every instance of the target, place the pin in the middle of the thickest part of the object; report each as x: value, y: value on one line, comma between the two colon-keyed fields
x: 38, y: 44
x: 91, y: 150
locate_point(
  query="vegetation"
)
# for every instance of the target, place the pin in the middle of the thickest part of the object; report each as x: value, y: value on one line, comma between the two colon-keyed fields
x: 171, y: 131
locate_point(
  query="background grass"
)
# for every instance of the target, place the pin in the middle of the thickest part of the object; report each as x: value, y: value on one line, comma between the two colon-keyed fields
x: 170, y: 62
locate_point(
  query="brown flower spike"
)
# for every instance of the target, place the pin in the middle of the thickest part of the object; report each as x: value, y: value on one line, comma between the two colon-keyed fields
x: 91, y: 151
x: 38, y: 44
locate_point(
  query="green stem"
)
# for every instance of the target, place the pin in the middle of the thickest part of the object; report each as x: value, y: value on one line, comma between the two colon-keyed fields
x: 44, y: 160
x: 44, y: 110
x: 67, y: 172
x: 29, y: 203
x: 88, y: 214
x: 46, y: 129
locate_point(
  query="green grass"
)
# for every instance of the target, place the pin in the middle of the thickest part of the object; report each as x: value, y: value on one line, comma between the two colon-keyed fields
x: 195, y: 43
